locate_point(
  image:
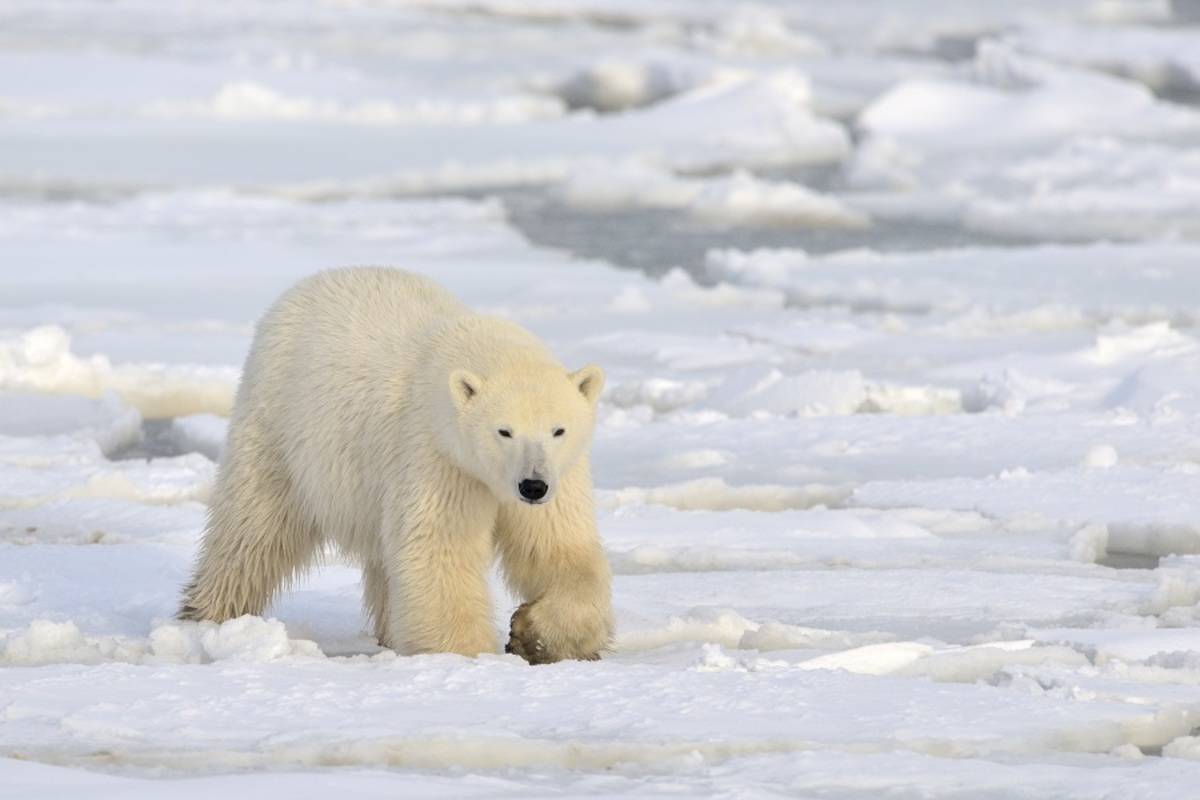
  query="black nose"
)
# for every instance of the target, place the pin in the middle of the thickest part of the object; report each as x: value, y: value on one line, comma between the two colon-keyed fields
x: 532, y: 489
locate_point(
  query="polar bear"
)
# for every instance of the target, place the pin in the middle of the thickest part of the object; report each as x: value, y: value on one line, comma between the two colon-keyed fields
x: 378, y: 413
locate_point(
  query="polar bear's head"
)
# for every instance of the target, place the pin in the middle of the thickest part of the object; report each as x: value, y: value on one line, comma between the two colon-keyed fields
x: 519, y: 431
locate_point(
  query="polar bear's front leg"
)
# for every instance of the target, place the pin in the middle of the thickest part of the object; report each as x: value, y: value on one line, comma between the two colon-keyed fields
x: 553, y: 559
x: 437, y: 565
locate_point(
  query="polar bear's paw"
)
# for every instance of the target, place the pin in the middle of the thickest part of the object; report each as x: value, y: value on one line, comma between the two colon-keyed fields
x: 523, y: 639
x: 529, y: 639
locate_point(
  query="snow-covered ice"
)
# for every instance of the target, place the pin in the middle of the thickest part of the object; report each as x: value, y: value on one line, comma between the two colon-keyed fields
x: 898, y: 467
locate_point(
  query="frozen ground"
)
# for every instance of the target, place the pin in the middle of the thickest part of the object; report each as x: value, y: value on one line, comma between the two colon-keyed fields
x: 899, y: 463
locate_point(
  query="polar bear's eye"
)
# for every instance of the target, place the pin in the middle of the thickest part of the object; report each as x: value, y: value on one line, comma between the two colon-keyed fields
x: 505, y: 432
x: 559, y: 431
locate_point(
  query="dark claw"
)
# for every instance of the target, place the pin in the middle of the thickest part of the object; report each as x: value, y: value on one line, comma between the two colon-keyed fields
x: 523, y: 640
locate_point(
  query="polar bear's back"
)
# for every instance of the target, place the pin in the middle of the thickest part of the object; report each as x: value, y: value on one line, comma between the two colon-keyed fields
x: 366, y: 299
x: 333, y: 363
x: 358, y: 325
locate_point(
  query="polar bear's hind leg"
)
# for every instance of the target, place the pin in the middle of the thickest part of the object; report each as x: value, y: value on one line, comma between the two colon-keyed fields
x: 375, y: 594
x: 256, y: 540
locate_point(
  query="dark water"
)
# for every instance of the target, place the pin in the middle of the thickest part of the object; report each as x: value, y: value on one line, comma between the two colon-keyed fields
x: 656, y: 241
x: 158, y: 440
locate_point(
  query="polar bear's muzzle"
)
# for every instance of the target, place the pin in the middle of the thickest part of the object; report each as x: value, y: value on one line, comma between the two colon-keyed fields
x: 533, y: 490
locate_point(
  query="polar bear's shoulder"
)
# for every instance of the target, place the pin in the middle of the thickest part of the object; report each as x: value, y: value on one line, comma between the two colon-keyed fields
x: 487, y: 343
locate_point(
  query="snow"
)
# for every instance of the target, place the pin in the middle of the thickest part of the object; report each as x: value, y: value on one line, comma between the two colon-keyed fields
x: 897, y: 463
x: 738, y: 199
x: 1022, y: 90
x: 1080, y: 155
x: 41, y: 360
x: 1163, y: 58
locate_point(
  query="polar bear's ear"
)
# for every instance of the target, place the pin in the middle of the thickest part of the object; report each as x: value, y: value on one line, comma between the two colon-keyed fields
x: 589, y: 380
x: 464, y: 385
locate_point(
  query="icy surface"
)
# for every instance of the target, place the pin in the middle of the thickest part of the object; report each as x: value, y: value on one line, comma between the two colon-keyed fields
x: 898, y: 466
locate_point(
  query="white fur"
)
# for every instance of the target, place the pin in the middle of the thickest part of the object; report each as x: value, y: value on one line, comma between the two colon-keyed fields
x: 369, y: 416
